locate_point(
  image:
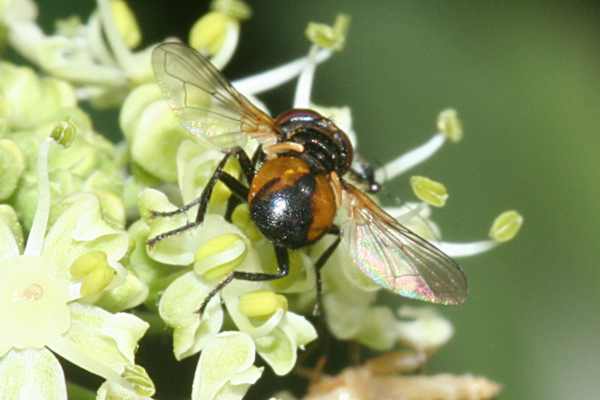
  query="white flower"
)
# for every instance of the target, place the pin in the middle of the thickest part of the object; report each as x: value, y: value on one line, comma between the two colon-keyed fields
x: 46, y: 296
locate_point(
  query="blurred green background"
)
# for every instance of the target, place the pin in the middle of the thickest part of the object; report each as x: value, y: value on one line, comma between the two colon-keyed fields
x: 525, y: 77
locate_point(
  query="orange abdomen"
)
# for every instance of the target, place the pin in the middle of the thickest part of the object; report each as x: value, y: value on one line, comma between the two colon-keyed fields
x: 291, y: 205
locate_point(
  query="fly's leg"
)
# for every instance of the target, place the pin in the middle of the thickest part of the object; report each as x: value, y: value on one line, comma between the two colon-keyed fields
x: 231, y: 182
x: 235, y: 201
x: 322, y: 260
x: 283, y: 264
x: 247, y: 168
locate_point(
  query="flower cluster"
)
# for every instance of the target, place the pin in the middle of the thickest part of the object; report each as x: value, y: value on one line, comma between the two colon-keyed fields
x: 77, y: 276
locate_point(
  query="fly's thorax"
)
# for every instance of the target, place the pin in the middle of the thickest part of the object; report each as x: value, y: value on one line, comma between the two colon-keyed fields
x: 290, y: 203
x: 326, y: 147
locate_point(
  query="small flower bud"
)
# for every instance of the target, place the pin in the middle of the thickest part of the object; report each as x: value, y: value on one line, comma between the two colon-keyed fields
x: 219, y: 256
x: 137, y: 377
x: 450, y: 125
x: 94, y: 272
x: 329, y: 37
x: 431, y: 192
x: 64, y: 132
x: 126, y: 23
x: 506, y: 226
x: 262, y: 303
x: 12, y: 165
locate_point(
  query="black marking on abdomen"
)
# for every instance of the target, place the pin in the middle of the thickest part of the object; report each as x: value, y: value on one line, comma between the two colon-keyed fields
x: 285, y: 216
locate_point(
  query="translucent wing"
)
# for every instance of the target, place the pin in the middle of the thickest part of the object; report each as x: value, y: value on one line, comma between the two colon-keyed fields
x: 398, y: 259
x: 204, y: 101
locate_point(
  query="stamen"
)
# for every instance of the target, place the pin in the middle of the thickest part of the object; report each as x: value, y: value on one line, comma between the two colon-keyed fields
x: 305, y: 81
x: 117, y: 44
x: 277, y: 76
x: 411, y: 159
x: 467, y: 249
x: 35, y: 241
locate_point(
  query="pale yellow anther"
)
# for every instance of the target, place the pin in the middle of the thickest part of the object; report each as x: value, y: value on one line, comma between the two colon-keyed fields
x: 236, y: 9
x: 209, y: 32
x: 219, y: 256
x: 126, y: 23
x: 64, y: 132
x: 431, y: 192
x: 94, y: 272
x: 262, y: 303
x: 506, y: 226
x: 450, y: 125
x: 329, y: 37
x: 137, y: 377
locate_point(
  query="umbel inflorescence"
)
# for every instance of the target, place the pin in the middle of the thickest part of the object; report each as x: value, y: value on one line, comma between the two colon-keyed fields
x: 78, y: 279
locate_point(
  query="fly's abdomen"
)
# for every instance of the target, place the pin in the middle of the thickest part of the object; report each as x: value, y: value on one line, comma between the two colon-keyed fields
x: 290, y: 205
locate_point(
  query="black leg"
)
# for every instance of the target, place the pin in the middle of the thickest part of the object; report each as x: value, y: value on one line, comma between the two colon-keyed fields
x: 235, y: 201
x: 232, y: 183
x: 283, y: 263
x: 247, y: 169
x: 334, y: 230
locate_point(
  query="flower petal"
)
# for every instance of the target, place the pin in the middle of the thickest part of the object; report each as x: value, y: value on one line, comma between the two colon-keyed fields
x: 179, y: 306
x: 31, y: 374
x: 100, y: 342
x: 80, y: 229
x: 226, y: 361
x: 278, y: 350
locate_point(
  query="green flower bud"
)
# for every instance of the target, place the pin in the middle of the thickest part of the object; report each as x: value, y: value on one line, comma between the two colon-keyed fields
x: 153, y: 131
x: 219, y: 256
x: 431, y: 192
x: 262, y: 304
x: 12, y: 165
x: 450, y: 125
x: 506, y: 226
x: 31, y: 100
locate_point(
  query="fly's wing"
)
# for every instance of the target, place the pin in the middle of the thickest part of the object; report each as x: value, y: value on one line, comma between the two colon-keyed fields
x: 396, y: 258
x: 205, y: 102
